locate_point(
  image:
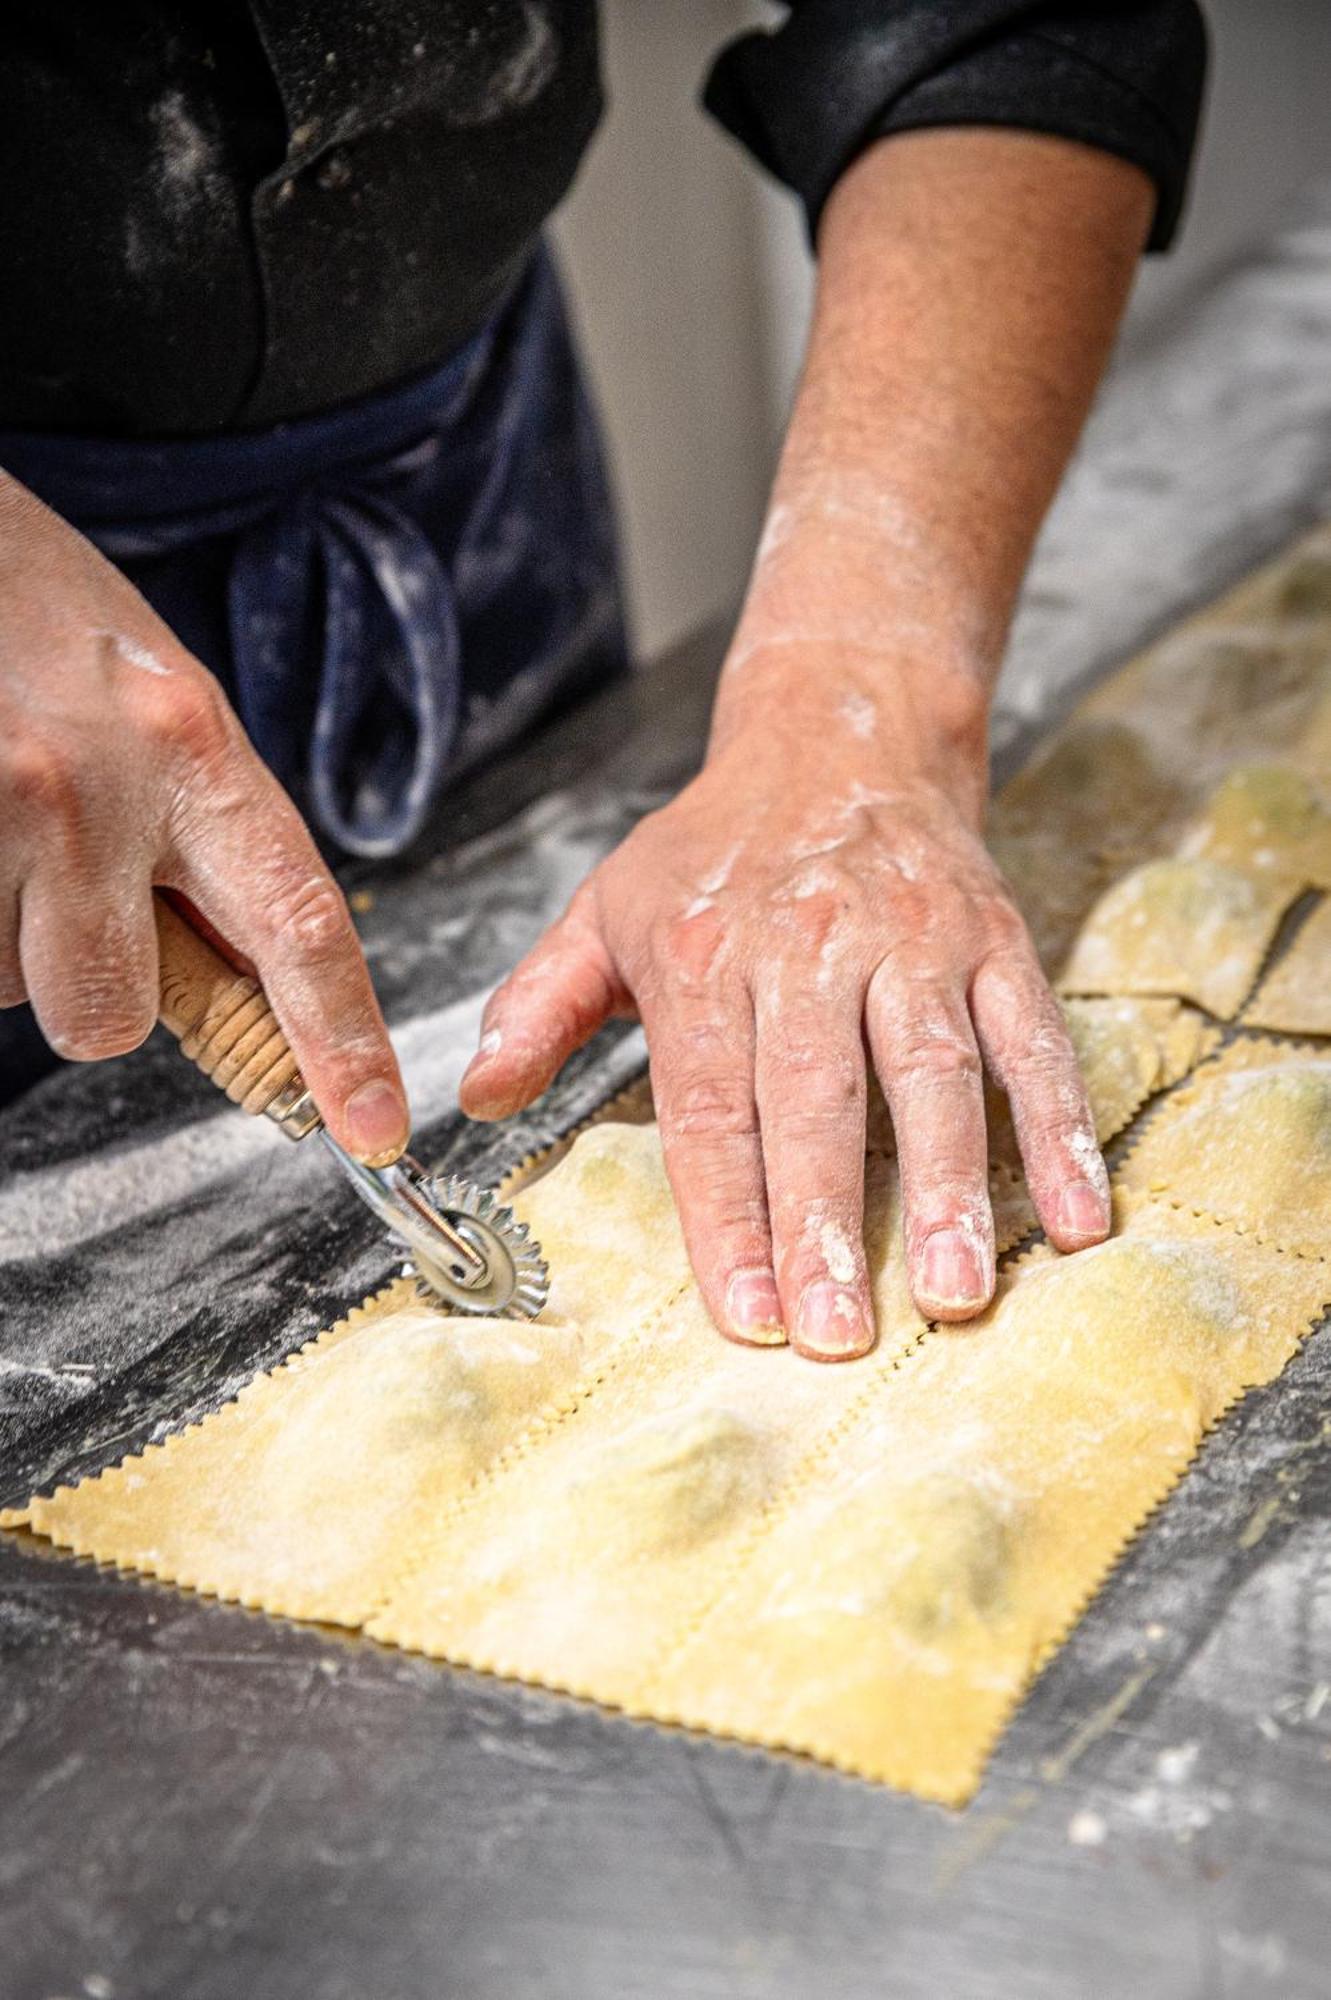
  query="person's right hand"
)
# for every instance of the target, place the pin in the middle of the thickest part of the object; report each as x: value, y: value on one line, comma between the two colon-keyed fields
x: 122, y: 766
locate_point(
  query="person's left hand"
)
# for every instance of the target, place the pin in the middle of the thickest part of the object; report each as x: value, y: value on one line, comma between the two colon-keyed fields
x: 821, y: 884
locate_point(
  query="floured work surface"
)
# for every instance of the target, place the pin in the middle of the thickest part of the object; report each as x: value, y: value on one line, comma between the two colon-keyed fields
x: 866, y: 1563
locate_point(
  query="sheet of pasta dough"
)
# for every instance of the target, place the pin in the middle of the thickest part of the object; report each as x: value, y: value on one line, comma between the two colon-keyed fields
x: 865, y: 1563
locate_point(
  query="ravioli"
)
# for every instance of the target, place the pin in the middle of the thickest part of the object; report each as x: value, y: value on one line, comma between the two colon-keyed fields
x: 1248, y: 1141
x: 579, y: 1566
x: 1194, y: 928
x: 1295, y: 996
x: 1268, y: 818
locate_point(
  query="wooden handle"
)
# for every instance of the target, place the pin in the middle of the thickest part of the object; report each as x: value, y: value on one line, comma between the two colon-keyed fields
x: 223, y: 1022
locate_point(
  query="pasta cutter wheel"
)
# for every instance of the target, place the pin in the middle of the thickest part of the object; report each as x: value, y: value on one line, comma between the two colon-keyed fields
x: 466, y: 1247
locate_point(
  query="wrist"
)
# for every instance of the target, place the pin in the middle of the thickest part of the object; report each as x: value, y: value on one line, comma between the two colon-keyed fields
x: 892, y: 719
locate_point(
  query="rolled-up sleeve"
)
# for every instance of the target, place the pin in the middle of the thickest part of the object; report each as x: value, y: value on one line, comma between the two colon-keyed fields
x: 810, y: 94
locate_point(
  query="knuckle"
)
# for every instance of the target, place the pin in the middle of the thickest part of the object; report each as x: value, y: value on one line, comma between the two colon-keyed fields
x: 308, y: 917
x: 736, y: 1218
x: 43, y: 778
x: 687, y: 948
x: 183, y: 713
x: 1041, y: 1058
x: 1005, y: 927
x: 958, y: 1207
x: 708, y: 1104
x: 947, y: 1191
x: 810, y: 1088
x: 1010, y: 977
x: 813, y: 915
x: 672, y: 937
x: 944, y: 1059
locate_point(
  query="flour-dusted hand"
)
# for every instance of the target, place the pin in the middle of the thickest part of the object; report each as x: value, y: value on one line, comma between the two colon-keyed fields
x: 822, y: 888
x: 122, y: 767
x: 798, y: 902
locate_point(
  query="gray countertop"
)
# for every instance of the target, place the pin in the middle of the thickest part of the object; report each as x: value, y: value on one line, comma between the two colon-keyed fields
x: 198, y: 1802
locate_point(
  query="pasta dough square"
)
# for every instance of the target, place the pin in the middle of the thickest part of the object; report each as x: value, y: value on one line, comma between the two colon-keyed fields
x: 1269, y: 819
x: 1248, y: 1141
x: 1196, y: 929
x: 575, y: 1566
x: 1295, y: 996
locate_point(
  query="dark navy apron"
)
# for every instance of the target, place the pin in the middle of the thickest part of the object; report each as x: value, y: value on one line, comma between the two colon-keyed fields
x: 389, y: 593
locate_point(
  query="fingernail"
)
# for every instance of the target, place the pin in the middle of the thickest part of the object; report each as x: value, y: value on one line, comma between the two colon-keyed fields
x: 1081, y: 1212
x: 487, y: 1046
x: 832, y: 1322
x: 951, y: 1273
x: 753, y: 1307
x: 377, y: 1123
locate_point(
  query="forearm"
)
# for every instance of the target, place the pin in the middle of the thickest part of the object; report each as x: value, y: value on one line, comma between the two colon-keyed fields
x: 970, y: 285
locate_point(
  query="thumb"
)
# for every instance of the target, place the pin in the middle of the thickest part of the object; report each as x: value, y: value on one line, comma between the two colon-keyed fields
x: 552, y: 1002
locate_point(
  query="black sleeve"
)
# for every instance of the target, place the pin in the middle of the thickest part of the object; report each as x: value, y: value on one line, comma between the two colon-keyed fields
x: 1124, y: 75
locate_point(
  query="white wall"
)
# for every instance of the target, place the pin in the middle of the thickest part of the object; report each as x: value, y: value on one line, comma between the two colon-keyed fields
x: 661, y: 240
x: 691, y: 280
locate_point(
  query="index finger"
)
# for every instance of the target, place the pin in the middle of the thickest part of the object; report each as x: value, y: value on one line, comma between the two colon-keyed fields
x: 243, y: 855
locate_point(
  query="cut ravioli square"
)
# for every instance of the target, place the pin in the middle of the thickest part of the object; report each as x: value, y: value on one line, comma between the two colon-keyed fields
x: 1247, y: 1141
x: 1195, y: 929
x: 1268, y: 818
x: 1295, y: 996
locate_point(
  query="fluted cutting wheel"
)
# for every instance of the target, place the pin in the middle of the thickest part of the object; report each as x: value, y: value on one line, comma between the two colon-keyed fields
x: 516, y: 1282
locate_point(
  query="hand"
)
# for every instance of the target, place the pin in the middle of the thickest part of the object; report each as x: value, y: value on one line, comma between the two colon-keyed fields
x: 807, y: 894
x: 122, y: 766
x: 823, y: 882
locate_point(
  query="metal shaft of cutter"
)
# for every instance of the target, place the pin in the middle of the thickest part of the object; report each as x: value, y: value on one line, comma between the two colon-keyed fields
x: 398, y: 1199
